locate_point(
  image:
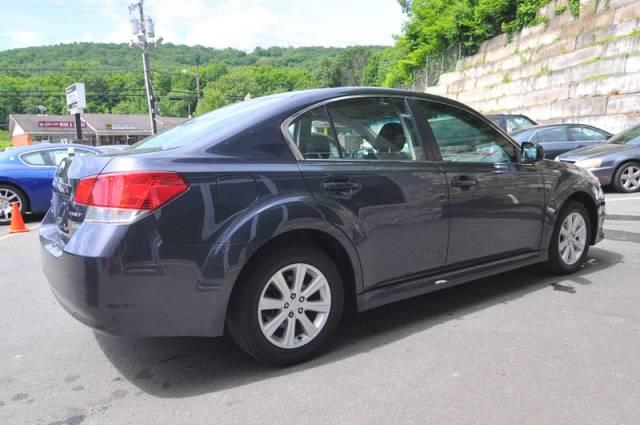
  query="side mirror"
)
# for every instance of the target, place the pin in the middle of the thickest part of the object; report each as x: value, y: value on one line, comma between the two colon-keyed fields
x: 530, y: 152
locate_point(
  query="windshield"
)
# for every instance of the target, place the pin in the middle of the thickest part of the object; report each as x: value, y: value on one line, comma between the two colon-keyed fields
x: 629, y: 137
x: 203, y: 127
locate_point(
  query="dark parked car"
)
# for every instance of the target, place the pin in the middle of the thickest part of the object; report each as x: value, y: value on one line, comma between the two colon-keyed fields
x: 26, y: 174
x: 560, y: 138
x: 269, y: 217
x: 511, y: 123
x: 615, y: 163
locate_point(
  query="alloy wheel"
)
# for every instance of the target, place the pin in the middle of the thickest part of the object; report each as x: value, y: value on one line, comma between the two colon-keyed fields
x: 294, y: 306
x: 573, y: 238
x: 630, y: 178
x: 8, y: 197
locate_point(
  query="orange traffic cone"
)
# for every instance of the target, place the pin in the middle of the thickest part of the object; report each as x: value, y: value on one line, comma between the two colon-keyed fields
x: 17, y: 223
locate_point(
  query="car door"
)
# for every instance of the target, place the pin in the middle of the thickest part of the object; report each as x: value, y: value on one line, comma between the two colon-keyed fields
x: 365, y: 166
x: 35, y: 178
x: 554, y: 140
x: 497, y: 203
x: 582, y: 136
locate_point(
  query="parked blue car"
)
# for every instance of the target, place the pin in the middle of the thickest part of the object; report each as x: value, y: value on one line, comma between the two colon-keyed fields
x: 26, y: 174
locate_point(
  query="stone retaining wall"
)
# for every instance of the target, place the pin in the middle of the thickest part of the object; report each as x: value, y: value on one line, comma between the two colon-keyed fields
x: 566, y: 69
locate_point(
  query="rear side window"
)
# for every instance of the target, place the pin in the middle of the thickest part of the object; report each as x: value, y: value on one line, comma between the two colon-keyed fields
x: 374, y: 128
x: 34, y: 158
x: 517, y: 123
x: 312, y: 133
x: 552, y: 135
x: 57, y: 155
x: 585, y: 133
x: 463, y: 137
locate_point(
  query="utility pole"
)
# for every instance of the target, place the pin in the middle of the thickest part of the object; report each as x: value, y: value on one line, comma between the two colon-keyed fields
x: 143, y: 32
x: 197, y: 84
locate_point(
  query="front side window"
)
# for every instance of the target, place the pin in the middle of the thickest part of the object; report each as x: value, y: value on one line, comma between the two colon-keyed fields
x: 552, y: 135
x: 585, y: 133
x: 463, y: 137
x: 357, y: 129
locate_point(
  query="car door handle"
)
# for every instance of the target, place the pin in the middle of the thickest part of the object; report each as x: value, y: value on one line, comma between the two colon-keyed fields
x: 341, y: 186
x: 464, y: 181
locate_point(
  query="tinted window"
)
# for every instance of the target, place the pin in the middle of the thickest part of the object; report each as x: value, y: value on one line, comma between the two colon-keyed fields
x: 552, y: 135
x: 34, y: 158
x: 313, y: 135
x: 629, y: 137
x: 368, y: 128
x: 586, y: 133
x: 463, y: 137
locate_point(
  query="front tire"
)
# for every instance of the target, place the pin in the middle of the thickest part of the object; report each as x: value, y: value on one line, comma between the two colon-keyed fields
x: 9, y: 195
x: 570, y: 240
x: 288, y: 305
x: 627, y: 178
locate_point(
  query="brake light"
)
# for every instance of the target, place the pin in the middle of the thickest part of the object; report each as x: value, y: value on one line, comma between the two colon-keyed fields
x: 127, y: 193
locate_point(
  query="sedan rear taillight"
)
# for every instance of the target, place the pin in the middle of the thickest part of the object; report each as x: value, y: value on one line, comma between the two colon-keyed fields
x: 123, y: 197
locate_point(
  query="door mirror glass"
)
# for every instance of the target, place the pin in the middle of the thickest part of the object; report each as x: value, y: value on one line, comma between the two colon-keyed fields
x: 530, y: 152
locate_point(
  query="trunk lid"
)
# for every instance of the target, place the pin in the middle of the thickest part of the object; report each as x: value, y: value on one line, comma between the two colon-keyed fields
x: 68, y: 215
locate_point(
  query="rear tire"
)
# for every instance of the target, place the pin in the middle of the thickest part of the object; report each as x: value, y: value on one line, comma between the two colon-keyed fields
x: 8, y: 195
x: 570, y: 240
x: 627, y: 178
x: 282, y: 319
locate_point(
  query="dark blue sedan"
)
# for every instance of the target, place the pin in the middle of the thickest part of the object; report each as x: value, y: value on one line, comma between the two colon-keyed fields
x: 26, y: 174
x: 268, y: 218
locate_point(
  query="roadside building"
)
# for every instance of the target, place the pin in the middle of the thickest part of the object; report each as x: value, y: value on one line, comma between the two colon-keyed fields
x: 97, y: 129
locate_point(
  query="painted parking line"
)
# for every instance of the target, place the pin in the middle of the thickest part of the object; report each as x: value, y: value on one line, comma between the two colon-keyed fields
x: 622, y: 199
x: 13, y: 234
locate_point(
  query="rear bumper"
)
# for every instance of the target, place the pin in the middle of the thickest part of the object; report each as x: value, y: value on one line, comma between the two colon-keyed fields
x: 162, y: 298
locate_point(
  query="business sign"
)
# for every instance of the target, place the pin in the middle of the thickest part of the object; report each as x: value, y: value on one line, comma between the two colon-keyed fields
x: 120, y: 127
x: 59, y: 124
x: 76, y: 99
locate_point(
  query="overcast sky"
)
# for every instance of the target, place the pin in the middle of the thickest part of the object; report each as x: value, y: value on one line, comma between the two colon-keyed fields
x: 243, y: 24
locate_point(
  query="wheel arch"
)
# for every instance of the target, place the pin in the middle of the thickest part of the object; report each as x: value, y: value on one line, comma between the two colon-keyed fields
x: 343, y: 256
x: 620, y: 165
x: 587, y: 201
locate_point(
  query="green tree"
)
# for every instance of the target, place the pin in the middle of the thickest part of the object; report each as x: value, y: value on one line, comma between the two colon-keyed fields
x: 212, y: 99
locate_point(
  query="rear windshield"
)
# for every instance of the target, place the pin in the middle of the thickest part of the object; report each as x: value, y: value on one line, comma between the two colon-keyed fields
x: 203, y: 128
x: 629, y: 137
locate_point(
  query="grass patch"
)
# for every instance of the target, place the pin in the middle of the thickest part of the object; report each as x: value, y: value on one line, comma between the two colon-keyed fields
x: 5, y: 140
x: 617, y: 37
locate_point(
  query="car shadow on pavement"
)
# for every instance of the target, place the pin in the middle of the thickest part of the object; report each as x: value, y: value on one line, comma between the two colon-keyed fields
x: 183, y: 367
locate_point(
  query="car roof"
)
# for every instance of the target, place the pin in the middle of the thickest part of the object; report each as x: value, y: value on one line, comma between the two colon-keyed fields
x: 541, y: 126
x: 311, y: 96
x: 506, y: 115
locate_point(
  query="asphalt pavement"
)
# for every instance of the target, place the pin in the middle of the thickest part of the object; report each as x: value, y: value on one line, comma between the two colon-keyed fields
x: 523, y: 347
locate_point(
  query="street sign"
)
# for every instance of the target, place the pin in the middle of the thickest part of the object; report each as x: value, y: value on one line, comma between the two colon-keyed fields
x: 76, y: 99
